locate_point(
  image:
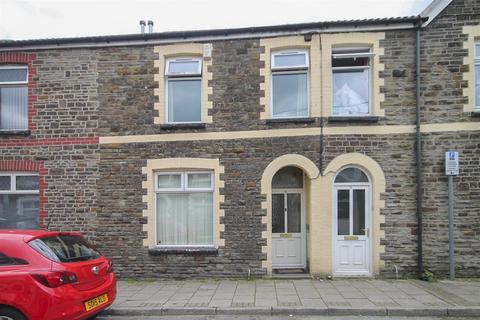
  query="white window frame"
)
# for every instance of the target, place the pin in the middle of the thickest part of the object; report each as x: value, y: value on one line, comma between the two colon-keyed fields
x: 476, y: 63
x: 12, y: 84
x: 4, y: 67
x: 349, y: 52
x: 184, y: 189
x: 294, y: 69
x: 13, y: 183
x: 183, y: 76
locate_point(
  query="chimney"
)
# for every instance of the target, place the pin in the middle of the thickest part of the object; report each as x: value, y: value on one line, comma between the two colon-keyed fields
x: 142, y: 26
x: 150, y: 26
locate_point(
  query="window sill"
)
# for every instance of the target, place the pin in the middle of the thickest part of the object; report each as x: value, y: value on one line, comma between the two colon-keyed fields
x: 365, y: 119
x: 290, y: 120
x: 183, y: 250
x: 475, y: 114
x: 14, y: 132
x: 179, y: 126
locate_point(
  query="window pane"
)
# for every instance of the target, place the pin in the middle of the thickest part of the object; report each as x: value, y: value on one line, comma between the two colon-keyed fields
x: 169, y: 181
x: 290, y: 95
x: 351, y: 92
x: 199, y: 180
x: 288, y: 177
x: 350, y: 62
x: 19, y: 211
x: 477, y: 50
x: 359, y: 212
x: 278, y: 213
x: 288, y: 60
x: 13, y: 108
x: 13, y: 75
x: 26, y: 182
x: 184, y: 100
x: 65, y: 248
x: 182, y: 67
x: 294, y: 210
x: 185, y: 219
x: 343, y: 212
x: 351, y: 175
x: 477, y: 86
x: 5, y: 183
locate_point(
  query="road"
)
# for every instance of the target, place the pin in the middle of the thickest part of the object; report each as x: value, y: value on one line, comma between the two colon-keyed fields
x: 231, y: 317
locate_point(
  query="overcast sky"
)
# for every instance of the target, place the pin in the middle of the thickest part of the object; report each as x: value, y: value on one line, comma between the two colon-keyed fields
x: 33, y: 19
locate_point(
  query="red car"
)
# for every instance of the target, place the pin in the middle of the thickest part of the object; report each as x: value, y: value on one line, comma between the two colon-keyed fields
x: 52, y: 275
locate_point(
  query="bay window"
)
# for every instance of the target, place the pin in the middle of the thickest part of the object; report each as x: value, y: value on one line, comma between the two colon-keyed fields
x: 184, y: 208
x: 351, y: 81
x: 13, y: 98
x: 290, y: 84
x: 19, y: 201
x: 184, y: 90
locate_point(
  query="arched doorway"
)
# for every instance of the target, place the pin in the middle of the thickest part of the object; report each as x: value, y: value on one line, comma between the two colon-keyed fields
x: 352, y: 216
x: 288, y: 219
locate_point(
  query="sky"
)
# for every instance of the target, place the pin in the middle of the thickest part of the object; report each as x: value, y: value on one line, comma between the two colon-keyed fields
x: 36, y: 19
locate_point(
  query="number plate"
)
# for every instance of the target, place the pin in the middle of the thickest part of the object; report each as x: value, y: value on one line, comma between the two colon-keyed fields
x: 96, y: 302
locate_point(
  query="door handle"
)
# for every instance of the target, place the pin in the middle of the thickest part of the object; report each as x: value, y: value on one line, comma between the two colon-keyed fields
x: 367, y: 231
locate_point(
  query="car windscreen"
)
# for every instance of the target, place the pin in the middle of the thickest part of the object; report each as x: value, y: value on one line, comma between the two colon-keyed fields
x: 65, y: 248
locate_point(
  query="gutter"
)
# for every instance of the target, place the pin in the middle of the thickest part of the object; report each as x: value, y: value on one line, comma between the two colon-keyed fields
x: 418, y: 153
x: 214, y: 34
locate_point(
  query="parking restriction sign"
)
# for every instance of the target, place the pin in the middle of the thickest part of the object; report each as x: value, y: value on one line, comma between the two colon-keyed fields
x: 451, y: 163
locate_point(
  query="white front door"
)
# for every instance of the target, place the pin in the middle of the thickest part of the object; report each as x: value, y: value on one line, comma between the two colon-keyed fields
x: 352, y: 219
x: 288, y: 229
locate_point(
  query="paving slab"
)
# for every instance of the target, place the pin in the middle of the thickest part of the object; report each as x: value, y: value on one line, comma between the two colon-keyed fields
x: 368, y: 297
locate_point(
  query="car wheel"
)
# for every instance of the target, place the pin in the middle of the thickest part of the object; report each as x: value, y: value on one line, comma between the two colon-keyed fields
x: 11, y: 314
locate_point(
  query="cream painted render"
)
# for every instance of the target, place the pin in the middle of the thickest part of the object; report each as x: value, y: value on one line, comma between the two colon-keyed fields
x: 295, y: 42
x: 154, y: 165
x: 178, y: 50
x: 473, y: 33
x: 354, y: 39
x: 319, y: 206
x: 258, y: 134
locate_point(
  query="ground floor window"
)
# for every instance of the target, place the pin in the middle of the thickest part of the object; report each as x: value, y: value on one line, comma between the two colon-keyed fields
x: 19, y: 201
x: 184, y: 208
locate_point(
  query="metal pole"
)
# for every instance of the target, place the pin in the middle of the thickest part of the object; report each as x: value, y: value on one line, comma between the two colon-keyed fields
x: 450, y: 228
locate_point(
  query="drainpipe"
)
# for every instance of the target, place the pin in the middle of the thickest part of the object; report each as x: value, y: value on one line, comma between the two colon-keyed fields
x: 418, y: 153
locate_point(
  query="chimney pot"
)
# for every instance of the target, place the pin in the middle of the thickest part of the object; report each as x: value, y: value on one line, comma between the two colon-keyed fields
x: 150, y: 26
x: 142, y: 26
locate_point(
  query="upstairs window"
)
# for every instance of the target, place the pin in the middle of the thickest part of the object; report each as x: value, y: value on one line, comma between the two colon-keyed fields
x: 184, y: 90
x: 477, y: 75
x: 351, y: 81
x: 19, y: 201
x: 289, y: 84
x: 13, y: 98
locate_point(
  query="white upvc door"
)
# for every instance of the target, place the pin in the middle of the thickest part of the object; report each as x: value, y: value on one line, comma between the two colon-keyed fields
x: 288, y: 229
x: 352, y: 231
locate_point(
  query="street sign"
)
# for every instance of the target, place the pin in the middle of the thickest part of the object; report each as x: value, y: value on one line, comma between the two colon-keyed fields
x: 451, y: 163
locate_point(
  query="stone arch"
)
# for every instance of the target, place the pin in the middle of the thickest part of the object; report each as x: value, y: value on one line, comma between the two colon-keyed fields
x: 296, y: 160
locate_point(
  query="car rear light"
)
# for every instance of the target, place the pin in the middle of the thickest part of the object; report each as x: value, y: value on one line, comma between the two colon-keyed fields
x: 110, y: 265
x: 55, y: 279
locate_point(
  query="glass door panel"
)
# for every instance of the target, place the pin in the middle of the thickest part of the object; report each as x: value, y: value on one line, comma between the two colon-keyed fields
x: 278, y: 213
x: 343, y: 212
x: 294, y: 212
x: 358, y: 212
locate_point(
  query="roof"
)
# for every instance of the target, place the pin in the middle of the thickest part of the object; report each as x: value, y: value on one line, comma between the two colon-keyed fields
x: 216, y: 34
x: 434, y: 9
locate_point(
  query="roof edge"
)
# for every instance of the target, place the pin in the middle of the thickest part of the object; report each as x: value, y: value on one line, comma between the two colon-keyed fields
x: 433, y: 10
x: 215, y: 34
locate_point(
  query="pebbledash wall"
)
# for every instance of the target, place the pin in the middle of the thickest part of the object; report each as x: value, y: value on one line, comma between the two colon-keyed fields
x: 96, y: 138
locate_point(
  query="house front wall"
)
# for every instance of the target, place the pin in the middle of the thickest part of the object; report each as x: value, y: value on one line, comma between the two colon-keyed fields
x: 100, y: 136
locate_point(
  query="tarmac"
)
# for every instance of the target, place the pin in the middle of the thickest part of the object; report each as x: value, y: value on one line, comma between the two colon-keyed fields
x: 342, y: 297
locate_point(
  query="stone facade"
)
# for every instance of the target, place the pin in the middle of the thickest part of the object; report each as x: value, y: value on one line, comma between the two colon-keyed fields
x: 89, y: 102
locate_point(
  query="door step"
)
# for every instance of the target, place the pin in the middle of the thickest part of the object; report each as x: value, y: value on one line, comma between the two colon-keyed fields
x: 290, y: 273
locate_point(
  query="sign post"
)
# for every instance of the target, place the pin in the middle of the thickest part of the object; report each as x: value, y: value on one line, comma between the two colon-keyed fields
x: 451, y: 170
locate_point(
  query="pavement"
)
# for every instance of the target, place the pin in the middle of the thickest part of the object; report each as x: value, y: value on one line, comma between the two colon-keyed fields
x: 345, y: 297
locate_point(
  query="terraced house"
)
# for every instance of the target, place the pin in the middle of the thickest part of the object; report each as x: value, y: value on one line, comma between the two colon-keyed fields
x: 316, y: 147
